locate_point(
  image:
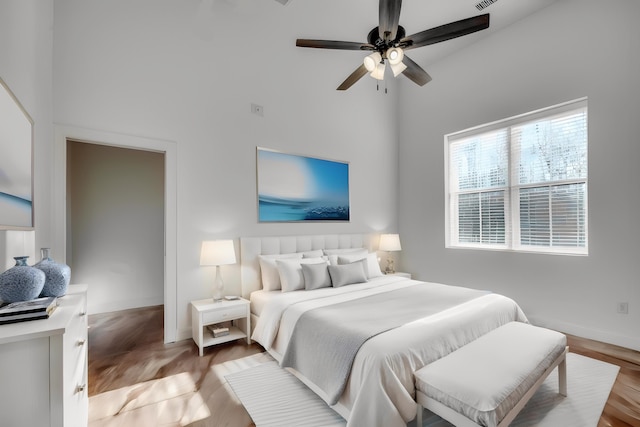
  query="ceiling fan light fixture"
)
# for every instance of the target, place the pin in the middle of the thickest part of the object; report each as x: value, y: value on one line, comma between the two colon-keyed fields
x: 378, y: 72
x: 398, y: 69
x: 372, y: 61
x: 395, y: 55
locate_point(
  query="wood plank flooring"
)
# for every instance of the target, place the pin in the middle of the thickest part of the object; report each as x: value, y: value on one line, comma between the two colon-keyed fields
x: 126, y: 349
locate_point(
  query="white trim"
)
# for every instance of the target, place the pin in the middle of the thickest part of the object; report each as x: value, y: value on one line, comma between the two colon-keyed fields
x: 601, y: 335
x: 59, y: 208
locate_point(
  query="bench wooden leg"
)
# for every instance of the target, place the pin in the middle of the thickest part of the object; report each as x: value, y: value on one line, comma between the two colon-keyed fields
x: 562, y: 376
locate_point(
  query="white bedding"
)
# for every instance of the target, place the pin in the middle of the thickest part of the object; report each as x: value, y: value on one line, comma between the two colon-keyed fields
x: 380, y: 391
x: 260, y: 298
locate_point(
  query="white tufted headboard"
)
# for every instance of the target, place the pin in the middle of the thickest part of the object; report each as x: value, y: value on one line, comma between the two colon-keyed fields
x: 252, y: 247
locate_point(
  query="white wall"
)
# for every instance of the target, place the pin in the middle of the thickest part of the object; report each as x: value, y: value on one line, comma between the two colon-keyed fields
x: 568, y: 50
x: 25, y: 66
x: 115, y: 237
x: 161, y: 70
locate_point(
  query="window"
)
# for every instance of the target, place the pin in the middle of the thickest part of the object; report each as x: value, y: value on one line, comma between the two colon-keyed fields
x: 521, y: 183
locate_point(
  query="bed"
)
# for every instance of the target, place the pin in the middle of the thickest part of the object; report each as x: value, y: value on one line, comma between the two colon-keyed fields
x: 364, y: 369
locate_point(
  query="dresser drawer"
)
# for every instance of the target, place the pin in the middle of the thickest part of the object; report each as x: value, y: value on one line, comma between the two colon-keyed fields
x: 76, y: 339
x: 223, y: 314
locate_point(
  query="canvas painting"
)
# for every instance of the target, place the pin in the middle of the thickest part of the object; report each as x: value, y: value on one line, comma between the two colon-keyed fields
x: 16, y: 196
x: 298, y: 188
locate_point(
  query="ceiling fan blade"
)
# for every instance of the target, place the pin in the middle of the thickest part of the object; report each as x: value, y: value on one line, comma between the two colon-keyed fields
x: 354, y: 77
x: 446, y: 32
x: 415, y: 72
x: 389, y: 16
x: 332, y: 44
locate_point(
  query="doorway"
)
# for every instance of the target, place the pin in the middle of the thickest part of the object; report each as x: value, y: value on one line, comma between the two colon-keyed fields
x: 61, y: 218
x: 115, y: 217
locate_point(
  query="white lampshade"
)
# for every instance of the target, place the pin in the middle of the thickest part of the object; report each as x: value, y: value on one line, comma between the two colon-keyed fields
x: 398, y: 68
x: 390, y: 242
x: 372, y: 61
x: 378, y: 73
x: 395, y: 55
x: 217, y: 252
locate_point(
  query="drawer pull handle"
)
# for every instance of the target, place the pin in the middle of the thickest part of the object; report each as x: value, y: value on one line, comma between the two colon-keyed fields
x: 81, y: 342
x: 80, y: 388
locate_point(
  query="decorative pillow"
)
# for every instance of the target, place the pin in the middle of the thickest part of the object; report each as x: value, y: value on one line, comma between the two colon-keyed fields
x: 313, y: 254
x: 373, y: 268
x: 269, y: 270
x: 290, y: 271
x: 333, y: 254
x: 347, y: 274
x: 343, y: 251
x: 316, y: 276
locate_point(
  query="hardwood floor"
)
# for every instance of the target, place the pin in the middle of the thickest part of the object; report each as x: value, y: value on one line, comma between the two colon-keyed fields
x: 126, y: 354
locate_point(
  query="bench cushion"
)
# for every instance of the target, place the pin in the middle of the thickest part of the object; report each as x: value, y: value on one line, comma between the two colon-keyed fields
x: 486, y: 378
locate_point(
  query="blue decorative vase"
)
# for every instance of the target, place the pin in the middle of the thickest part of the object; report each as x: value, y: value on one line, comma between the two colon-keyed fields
x: 57, y: 275
x: 21, y: 282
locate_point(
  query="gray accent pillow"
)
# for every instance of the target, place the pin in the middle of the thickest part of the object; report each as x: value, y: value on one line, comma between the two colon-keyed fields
x: 348, y: 274
x: 316, y: 276
x: 372, y: 267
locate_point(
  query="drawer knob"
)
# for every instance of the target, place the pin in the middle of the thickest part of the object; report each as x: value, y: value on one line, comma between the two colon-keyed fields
x: 81, y: 342
x: 80, y: 388
x: 82, y: 313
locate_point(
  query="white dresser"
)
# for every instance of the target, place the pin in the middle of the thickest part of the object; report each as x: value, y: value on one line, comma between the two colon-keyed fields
x: 43, y: 367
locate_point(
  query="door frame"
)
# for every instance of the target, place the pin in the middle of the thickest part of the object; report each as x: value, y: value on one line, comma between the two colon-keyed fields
x: 59, y: 221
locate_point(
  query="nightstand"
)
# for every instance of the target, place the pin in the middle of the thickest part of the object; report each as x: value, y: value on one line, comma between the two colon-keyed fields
x: 206, y: 312
x: 401, y: 274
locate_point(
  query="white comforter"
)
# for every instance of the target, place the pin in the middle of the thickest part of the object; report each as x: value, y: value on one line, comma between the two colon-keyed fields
x: 381, y: 391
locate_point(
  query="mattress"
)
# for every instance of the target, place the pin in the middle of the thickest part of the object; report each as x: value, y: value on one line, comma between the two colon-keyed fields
x: 380, y: 390
x: 261, y: 298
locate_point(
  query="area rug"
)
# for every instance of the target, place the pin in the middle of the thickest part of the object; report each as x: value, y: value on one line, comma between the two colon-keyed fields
x: 589, y: 384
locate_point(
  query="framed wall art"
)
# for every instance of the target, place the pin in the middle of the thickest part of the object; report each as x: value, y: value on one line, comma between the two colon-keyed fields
x: 16, y: 163
x: 294, y: 188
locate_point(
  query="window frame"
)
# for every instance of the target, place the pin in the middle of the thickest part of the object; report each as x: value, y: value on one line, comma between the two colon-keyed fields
x: 512, y: 189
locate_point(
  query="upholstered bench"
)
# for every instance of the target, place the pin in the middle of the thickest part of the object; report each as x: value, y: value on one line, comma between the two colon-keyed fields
x: 488, y: 381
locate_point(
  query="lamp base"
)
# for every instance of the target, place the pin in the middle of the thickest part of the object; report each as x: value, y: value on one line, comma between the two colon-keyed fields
x: 390, y: 266
x: 218, y: 286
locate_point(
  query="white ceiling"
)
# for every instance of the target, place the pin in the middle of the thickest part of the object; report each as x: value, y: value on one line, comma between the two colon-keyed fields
x: 351, y: 20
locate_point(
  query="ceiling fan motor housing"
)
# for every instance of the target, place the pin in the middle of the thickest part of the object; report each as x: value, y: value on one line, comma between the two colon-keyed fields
x: 382, y: 45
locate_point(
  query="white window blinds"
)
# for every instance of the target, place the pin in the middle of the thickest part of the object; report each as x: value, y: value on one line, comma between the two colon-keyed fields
x: 521, y: 183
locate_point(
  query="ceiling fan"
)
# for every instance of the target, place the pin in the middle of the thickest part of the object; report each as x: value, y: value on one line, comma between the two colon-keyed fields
x: 388, y: 42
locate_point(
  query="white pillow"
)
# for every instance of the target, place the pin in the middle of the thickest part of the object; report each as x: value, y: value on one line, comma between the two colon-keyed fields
x: 333, y: 254
x: 343, y: 251
x: 316, y: 276
x: 373, y: 268
x: 312, y: 254
x: 290, y: 270
x: 269, y: 270
x: 348, y: 274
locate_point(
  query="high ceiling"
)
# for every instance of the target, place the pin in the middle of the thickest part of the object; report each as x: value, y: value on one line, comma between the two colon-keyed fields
x: 339, y: 20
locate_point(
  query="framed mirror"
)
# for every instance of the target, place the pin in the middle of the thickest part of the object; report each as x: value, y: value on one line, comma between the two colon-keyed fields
x: 16, y: 163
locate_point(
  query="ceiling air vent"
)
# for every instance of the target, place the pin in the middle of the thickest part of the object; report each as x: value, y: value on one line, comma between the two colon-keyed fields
x: 482, y: 5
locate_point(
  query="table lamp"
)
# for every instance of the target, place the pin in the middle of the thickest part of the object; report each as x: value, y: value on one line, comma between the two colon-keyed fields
x: 217, y: 252
x: 389, y: 243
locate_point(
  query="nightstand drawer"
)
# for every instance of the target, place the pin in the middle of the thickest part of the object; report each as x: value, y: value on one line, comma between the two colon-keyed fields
x: 223, y: 314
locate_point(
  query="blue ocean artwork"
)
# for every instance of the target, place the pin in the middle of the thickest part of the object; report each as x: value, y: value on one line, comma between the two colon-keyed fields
x: 16, y: 211
x: 299, y: 188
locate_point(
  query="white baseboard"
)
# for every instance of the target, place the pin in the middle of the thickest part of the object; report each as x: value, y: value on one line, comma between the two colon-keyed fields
x: 590, y: 333
x: 122, y: 305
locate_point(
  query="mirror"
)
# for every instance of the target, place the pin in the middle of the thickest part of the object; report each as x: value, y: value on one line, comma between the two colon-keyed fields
x: 16, y: 163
